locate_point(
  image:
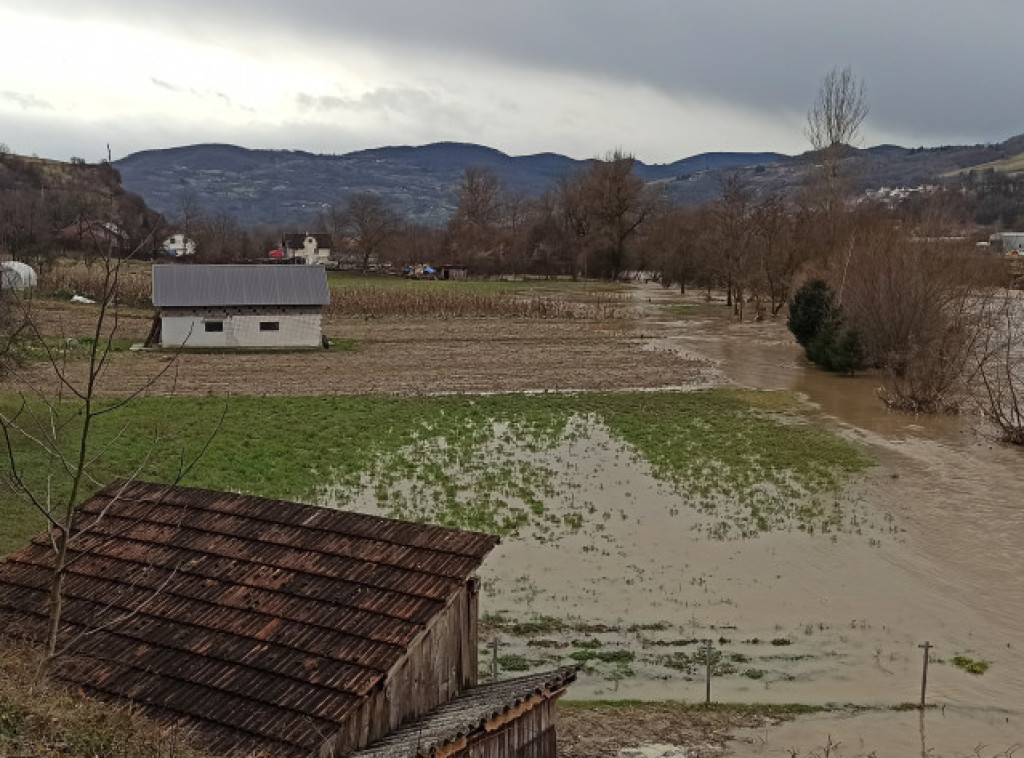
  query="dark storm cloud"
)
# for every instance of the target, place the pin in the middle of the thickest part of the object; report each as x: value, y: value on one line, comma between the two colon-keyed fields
x: 934, y: 69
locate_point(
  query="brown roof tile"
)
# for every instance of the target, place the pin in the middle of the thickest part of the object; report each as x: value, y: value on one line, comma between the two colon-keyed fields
x: 262, y: 621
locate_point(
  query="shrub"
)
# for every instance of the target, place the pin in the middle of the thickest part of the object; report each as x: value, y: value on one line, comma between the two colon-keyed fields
x: 970, y: 665
x: 817, y: 323
x: 848, y: 352
x: 812, y: 310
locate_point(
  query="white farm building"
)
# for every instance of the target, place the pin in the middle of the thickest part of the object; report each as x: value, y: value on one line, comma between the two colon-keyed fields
x: 226, y: 306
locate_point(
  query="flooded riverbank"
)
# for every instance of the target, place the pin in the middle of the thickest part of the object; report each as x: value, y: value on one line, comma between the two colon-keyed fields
x: 811, y: 591
x: 954, y: 577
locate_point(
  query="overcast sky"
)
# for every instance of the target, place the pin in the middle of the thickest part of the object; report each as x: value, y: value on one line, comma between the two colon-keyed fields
x: 663, y: 79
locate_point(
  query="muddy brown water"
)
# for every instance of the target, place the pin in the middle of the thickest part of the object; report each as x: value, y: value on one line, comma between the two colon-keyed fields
x: 931, y: 551
x: 955, y: 576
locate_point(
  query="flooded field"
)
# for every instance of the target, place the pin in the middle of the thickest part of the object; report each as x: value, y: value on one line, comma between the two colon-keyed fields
x: 811, y: 591
x: 950, y: 732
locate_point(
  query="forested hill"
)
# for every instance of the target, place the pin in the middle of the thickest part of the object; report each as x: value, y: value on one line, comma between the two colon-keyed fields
x: 283, y: 186
x: 420, y: 183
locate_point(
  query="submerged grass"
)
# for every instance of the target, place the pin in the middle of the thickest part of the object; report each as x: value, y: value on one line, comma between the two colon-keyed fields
x: 473, y: 462
x: 970, y: 665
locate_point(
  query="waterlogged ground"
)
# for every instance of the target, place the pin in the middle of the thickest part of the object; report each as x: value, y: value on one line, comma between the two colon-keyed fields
x: 950, y: 732
x: 541, y: 469
x: 814, y: 537
x: 817, y: 542
x: 625, y: 564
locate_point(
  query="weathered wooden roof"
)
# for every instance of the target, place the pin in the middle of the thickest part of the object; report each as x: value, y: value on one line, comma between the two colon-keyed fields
x: 260, y: 622
x: 468, y: 714
x: 219, y: 285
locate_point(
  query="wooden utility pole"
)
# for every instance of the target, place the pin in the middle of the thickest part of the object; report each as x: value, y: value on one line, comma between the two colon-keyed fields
x: 927, y: 646
x: 708, y: 650
x: 494, y: 660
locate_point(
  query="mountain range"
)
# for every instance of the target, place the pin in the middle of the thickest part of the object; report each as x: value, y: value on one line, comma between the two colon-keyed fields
x: 421, y: 183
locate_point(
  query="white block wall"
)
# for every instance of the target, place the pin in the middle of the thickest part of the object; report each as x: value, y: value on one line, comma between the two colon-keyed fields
x: 297, y: 327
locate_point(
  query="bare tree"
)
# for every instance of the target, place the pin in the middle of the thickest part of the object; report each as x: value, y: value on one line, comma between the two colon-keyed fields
x: 575, y: 221
x: 474, y: 229
x: 12, y: 327
x: 998, y: 363
x: 914, y: 303
x: 732, y: 231
x: 188, y: 215
x: 677, y: 240
x: 779, y: 255
x: 833, y: 125
x: 370, y: 223
x: 217, y: 238
x: 60, y: 422
x: 835, y: 117
x: 617, y: 204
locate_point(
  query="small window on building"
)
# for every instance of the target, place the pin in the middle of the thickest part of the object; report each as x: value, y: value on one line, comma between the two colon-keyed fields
x: 213, y: 326
x: 270, y: 326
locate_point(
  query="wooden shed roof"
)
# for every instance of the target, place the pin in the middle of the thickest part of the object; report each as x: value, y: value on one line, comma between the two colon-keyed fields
x: 473, y: 712
x: 261, y: 622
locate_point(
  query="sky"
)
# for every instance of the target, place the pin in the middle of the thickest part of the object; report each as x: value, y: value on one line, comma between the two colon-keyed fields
x: 661, y: 79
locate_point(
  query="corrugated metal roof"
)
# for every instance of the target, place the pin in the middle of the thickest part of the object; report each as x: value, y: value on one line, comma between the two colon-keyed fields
x: 208, y: 285
x: 261, y: 622
x: 466, y: 715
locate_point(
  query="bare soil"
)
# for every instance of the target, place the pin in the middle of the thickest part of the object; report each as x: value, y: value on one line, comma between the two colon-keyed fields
x: 391, y: 356
x: 605, y: 730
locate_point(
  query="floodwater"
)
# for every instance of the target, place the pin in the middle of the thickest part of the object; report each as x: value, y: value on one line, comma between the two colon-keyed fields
x: 955, y: 576
x: 950, y: 732
x: 928, y: 550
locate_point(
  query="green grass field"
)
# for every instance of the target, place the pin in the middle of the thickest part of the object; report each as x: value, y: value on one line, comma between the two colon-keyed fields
x: 751, y: 450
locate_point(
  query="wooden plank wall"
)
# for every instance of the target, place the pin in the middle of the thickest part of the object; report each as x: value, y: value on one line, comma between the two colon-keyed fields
x: 529, y: 735
x: 438, y: 667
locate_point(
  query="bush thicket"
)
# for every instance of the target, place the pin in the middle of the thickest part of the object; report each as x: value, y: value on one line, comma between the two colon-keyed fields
x: 816, y: 320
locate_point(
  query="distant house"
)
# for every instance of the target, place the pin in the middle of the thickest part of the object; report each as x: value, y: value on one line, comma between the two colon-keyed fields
x: 311, y: 248
x: 91, y: 235
x: 178, y: 245
x: 273, y: 628
x: 454, y: 272
x: 225, y: 306
x: 1007, y: 242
